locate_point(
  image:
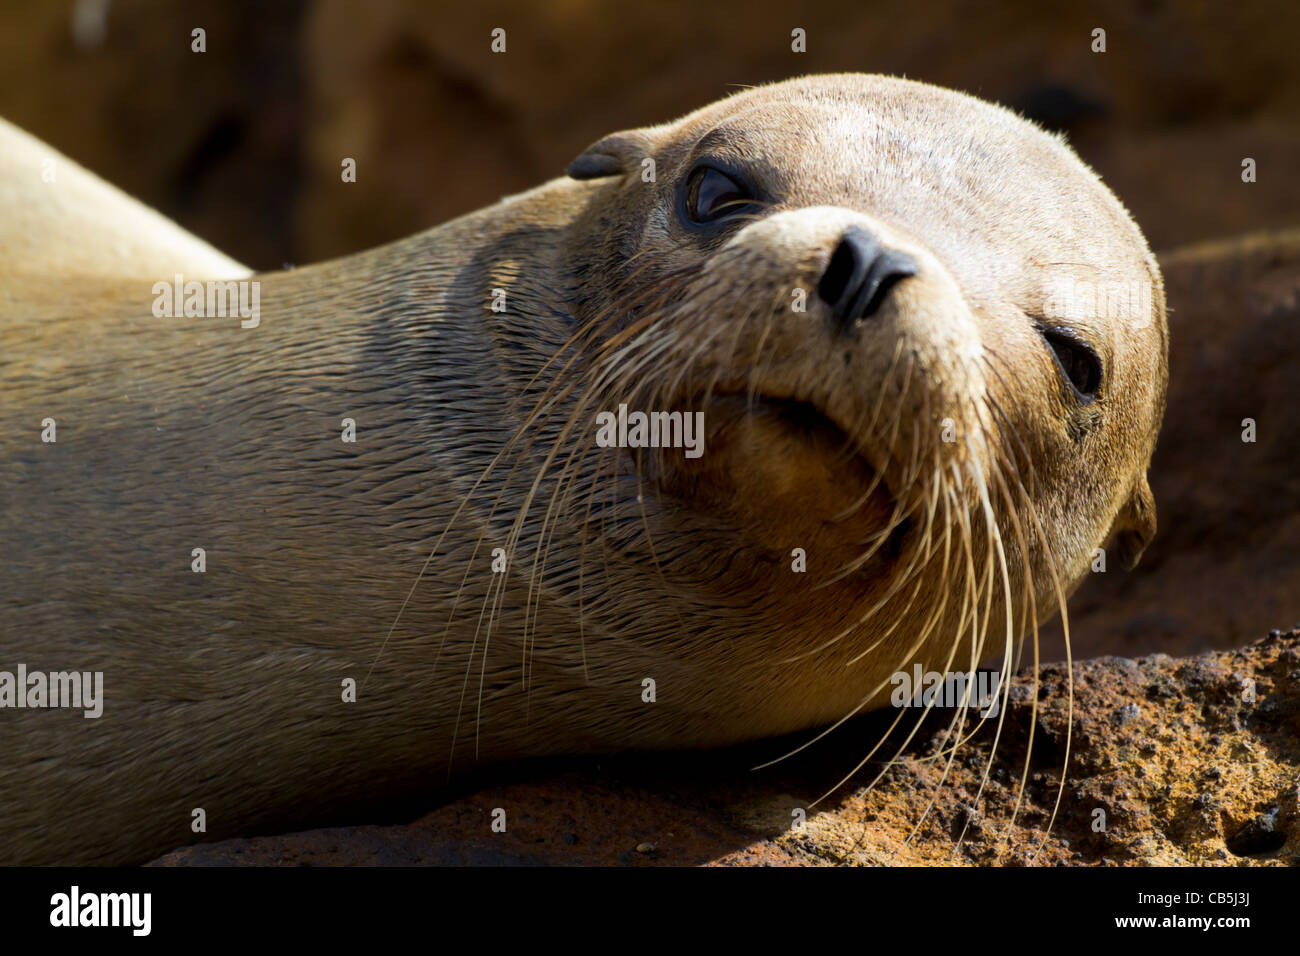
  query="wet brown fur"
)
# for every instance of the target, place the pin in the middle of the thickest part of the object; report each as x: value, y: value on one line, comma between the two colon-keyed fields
x: 372, y: 560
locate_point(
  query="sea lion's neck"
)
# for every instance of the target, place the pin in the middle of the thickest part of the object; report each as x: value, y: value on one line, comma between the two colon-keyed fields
x: 270, y: 493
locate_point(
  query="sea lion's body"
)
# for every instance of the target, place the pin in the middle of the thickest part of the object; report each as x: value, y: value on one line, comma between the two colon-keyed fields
x: 176, y: 433
x: 373, y: 560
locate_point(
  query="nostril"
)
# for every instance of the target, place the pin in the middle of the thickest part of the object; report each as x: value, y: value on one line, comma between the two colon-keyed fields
x: 838, y: 274
x: 848, y: 266
x: 888, y: 270
x: 860, y: 275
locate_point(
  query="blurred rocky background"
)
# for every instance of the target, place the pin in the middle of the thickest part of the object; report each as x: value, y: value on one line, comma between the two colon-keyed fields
x: 242, y: 144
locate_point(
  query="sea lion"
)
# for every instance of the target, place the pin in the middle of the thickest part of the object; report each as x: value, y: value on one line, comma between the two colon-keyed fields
x: 61, y: 219
x: 918, y: 427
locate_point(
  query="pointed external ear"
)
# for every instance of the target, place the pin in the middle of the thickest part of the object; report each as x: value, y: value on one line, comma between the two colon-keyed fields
x: 1135, y: 525
x: 616, y: 154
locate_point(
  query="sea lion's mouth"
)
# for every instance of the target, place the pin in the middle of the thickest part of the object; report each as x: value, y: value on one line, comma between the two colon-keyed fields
x: 788, y: 474
x: 808, y: 418
x: 819, y: 430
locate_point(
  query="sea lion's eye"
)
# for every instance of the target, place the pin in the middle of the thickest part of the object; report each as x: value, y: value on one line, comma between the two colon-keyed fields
x: 713, y: 195
x: 1076, y: 359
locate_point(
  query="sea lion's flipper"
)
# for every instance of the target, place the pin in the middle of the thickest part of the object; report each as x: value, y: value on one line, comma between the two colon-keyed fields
x: 62, y: 220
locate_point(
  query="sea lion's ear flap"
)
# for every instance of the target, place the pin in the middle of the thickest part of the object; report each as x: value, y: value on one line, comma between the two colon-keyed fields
x: 614, y: 155
x: 1135, y: 525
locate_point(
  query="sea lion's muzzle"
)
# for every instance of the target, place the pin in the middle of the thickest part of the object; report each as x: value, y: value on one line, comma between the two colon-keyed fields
x: 859, y: 276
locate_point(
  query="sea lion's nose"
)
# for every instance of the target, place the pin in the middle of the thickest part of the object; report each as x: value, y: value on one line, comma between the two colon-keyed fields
x: 859, y: 275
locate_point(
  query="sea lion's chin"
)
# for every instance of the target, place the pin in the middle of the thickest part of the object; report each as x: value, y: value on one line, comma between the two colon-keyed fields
x: 781, y: 475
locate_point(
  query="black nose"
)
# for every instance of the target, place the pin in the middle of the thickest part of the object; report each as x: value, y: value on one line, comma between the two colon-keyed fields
x: 859, y: 276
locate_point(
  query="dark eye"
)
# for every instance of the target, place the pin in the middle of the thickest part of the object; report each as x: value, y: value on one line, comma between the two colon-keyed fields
x: 713, y: 195
x: 1077, y: 361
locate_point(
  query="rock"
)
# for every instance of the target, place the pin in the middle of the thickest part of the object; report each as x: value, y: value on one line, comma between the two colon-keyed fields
x: 1192, y: 776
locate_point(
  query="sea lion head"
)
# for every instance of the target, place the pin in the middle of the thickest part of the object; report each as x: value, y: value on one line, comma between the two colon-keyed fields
x: 929, y: 346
